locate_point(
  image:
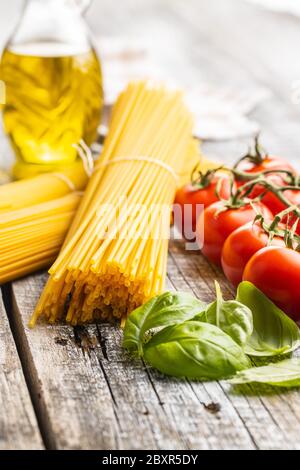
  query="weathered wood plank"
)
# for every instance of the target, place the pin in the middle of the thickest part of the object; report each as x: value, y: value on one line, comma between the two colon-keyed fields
x: 230, y: 43
x: 89, y: 394
x: 18, y: 425
x: 267, y: 418
x: 225, y: 45
x: 67, y: 385
x: 182, y: 411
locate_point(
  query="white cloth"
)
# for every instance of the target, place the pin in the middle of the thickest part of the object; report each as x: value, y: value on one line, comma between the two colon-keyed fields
x: 286, y: 6
x: 220, y: 112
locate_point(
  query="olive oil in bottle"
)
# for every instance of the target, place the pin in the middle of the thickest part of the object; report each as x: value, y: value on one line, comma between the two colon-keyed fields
x: 53, y: 99
x: 53, y: 85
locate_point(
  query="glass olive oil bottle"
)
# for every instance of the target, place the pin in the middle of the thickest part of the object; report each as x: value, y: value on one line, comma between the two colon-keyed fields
x: 53, y: 85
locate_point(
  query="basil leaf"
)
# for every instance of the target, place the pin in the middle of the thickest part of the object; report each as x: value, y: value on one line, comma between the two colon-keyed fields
x: 195, y: 350
x: 274, y: 333
x: 231, y: 316
x: 169, y: 308
x: 281, y: 374
x: 201, y: 316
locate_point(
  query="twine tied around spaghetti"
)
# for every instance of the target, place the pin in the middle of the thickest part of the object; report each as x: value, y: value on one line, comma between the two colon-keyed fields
x: 86, y: 156
x: 143, y: 158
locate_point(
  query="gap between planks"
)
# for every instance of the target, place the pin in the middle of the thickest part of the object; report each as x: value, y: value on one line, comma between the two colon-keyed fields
x: 18, y: 425
x: 28, y: 369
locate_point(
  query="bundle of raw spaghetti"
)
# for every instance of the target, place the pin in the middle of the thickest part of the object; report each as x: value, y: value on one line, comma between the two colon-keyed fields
x: 103, y: 271
x: 44, y: 187
x: 192, y: 159
x: 31, y: 237
x: 35, y: 215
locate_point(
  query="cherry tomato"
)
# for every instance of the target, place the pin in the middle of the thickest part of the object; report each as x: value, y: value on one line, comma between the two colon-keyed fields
x: 214, y: 227
x: 276, y: 272
x: 269, y: 162
x: 189, y: 197
x: 275, y: 204
x: 240, y: 246
x: 258, y: 163
x: 271, y: 200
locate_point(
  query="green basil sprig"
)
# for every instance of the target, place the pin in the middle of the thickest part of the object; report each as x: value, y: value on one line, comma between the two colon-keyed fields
x: 212, y: 342
x: 169, y: 308
x: 233, y: 317
x: 274, y: 333
x: 195, y: 350
x: 285, y: 373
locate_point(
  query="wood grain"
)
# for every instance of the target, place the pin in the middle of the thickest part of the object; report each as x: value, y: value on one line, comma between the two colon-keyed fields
x: 90, y: 395
x: 266, y: 413
x: 18, y: 425
x: 227, y: 43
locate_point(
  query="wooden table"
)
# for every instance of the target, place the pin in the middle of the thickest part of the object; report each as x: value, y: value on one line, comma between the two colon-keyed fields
x: 74, y: 388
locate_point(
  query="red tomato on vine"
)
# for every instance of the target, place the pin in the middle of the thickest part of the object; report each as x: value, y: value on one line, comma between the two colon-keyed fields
x: 240, y: 246
x: 259, y: 162
x: 217, y: 222
x: 276, y: 272
x: 193, y: 197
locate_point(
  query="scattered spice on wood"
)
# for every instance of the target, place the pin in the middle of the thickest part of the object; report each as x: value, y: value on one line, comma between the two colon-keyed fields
x: 83, y: 340
x: 61, y: 341
x: 212, y: 407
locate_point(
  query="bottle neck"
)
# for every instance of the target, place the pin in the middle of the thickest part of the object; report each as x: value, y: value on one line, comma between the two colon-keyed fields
x: 80, y: 5
x: 45, y: 23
